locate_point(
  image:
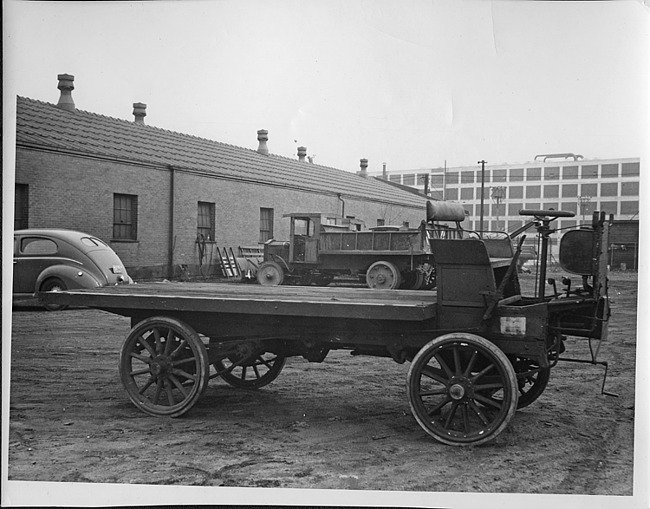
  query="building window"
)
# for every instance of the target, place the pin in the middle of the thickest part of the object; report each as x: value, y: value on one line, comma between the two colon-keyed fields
x: 569, y: 190
x: 500, y: 176
x: 551, y: 206
x: 452, y: 194
x: 467, y: 193
x: 533, y: 191
x: 21, y: 207
x: 125, y: 217
x: 570, y: 207
x: 395, y: 178
x: 551, y: 191
x: 570, y: 172
x: 516, y: 175
x: 381, y: 222
x: 408, y: 179
x: 590, y: 171
x: 630, y: 207
x: 514, y: 208
x: 552, y: 173
x: 452, y: 177
x: 609, y: 189
x: 608, y: 207
x: 589, y: 190
x: 516, y: 192
x: 266, y: 224
x: 630, y: 189
x: 467, y: 177
x: 205, y: 221
x: 630, y: 170
x: 609, y: 170
x: 533, y: 174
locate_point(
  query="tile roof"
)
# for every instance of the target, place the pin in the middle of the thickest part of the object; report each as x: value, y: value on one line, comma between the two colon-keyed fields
x: 45, y: 125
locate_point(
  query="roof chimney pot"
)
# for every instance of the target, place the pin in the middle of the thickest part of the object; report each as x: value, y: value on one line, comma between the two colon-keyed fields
x: 302, y: 154
x: 364, y: 167
x: 66, y: 86
x: 263, y: 137
x: 139, y: 112
x: 384, y: 173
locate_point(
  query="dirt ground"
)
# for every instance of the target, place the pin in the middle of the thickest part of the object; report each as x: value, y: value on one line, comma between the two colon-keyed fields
x: 342, y: 424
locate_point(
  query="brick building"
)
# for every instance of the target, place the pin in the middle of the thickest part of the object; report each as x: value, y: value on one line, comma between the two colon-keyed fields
x: 153, y: 194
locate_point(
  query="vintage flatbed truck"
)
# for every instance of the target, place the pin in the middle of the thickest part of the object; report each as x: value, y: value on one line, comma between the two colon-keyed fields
x: 478, y: 348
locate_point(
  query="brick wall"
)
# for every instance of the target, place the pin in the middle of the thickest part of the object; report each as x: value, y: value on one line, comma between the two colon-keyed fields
x: 77, y: 192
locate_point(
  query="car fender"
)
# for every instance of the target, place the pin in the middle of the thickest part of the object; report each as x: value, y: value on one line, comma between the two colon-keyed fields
x: 72, y: 277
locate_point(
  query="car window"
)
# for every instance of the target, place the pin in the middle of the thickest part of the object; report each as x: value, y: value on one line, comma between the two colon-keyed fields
x: 93, y: 242
x: 38, y: 246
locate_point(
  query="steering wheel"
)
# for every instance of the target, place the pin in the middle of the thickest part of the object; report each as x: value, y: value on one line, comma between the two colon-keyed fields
x: 546, y: 214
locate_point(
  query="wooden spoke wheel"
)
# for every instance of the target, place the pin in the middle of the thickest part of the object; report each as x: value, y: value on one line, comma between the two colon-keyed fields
x: 252, y: 372
x: 462, y: 389
x: 531, y: 380
x: 164, y: 366
x: 383, y: 276
x: 270, y: 274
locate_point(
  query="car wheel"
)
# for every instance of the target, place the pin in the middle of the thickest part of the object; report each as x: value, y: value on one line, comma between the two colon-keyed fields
x: 54, y: 285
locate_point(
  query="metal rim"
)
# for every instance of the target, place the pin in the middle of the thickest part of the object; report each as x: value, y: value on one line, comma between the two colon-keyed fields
x: 54, y: 285
x: 462, y: 389
x: 164, y: 366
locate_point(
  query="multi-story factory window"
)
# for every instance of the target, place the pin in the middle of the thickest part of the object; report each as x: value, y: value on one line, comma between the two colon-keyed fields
x: 514, y: 208
x: 205, y: 221
x: 570, y: 172
x: 588, y: 189
x: 408, y: 179
x: 630, y: 188
x: 630, y: 170
x: 516, y: 192
x: 533, y: 174
x: 266, y: 224
x: 397, y: 178
x: 533, y: 191
x: 629, y: 207
x: 609, y: 170
x: 608, y: 207
x: 569, y: 190
x: 21, y: 207
x: 610, y: 189
x: 125, y: 217
x: 551, y: 205
x: 516, y: 174
x: 452, y: 177
x: 552, y: 173
x: 381, y: 222
x: 570, y: 207
x: 452, y: 194
x: 467, y: 177
x: 467, y: 193
x: 590, y: 171
x: 499, y: 175
x: 551, y: 191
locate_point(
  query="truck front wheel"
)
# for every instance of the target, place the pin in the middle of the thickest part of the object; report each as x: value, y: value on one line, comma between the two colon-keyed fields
x: 270, y: 274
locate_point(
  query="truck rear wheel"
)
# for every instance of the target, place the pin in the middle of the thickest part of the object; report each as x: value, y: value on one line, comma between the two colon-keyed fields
x: 270, y: 274
x: 383, y: 276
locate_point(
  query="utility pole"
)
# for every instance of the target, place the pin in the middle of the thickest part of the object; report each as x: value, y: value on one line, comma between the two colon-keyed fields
x: 480, y: 227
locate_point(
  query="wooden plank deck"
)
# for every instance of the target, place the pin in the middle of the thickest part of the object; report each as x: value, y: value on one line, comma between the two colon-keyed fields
x: 237, y: 298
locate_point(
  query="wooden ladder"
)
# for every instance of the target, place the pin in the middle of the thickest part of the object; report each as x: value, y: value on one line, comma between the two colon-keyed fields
x: 229, y: 265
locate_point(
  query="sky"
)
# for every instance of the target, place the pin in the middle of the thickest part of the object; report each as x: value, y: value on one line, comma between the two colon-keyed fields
x: 413, y: 84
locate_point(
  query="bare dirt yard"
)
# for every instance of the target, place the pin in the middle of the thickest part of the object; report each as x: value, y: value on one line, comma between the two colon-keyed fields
x: 341, y: 424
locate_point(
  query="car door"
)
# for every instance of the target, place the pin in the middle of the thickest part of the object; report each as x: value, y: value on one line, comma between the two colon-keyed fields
x: 32, y: 255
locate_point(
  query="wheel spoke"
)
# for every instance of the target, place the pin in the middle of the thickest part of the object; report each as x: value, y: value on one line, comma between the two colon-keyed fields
x: 478, y: 412
x: 140, y: 371
x: 452, y: 413
x: 438, y: 407
x: 443, y: 365
x: 485, y: 387
x: 433, y: 392
x: 457, y: 367
x: 170, y: 396
x: 159, y: 388
x: 146, y: 385
x: 183, y: 361
x: 169, y: 342
x: 178, y: 385
x: 257, y: 373
x: 470, y: 364
x: 434, y: 374
x: 465, y: 418
x: 147, y: 346
x: 156, y: 335
x: 481, y: 373
x: 488, y: 401
x: 140, y: 357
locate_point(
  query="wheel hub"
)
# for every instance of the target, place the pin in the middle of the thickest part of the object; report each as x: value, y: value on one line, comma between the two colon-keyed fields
x: 457, y: 391
x: 381, y: 278
x: 159, y: 365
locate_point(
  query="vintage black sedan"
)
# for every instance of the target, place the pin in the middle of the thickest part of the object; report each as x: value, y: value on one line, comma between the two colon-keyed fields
x: 57, y: 260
